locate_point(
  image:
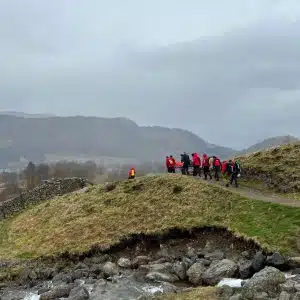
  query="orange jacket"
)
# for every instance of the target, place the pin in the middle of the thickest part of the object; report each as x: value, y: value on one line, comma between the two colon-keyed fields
x: 131, y: 172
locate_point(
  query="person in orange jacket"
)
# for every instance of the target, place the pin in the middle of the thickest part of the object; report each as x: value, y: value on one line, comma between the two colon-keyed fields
x: 170, y: 164
x: 131, y: 173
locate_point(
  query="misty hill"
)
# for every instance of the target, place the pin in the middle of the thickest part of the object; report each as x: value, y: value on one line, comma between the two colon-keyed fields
x: 33, y: 138
x: 23, y: 115
x: 271, y: 142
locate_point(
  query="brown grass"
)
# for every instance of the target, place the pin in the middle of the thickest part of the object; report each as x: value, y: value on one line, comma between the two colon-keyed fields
x: 281, y: 163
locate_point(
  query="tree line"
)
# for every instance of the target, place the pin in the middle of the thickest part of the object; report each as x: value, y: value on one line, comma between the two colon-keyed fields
x: 13, y: 183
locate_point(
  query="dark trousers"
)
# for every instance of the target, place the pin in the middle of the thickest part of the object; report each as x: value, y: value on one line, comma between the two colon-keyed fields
x: 233, y: 178
x: 131, y: 177
x: 171, y: 170
x: 185, y: 170
x: 217, y: 173
x: 196, y: 171
x: 206, y: 171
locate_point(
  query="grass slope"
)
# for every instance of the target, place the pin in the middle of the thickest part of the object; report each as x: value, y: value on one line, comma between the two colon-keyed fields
x: 150, y: 204
x: 281, y: 163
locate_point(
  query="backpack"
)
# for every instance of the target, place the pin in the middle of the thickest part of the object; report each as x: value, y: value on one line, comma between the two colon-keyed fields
x: 238, y: 168
x: 229, y: 168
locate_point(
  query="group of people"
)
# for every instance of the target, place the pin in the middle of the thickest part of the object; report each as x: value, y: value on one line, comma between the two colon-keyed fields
x: 206, y: 165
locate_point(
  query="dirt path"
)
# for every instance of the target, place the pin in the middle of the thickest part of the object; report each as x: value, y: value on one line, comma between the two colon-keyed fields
x: 258, y: 195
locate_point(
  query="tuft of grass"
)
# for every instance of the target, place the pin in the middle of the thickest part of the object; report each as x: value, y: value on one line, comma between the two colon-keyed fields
x: 177, y: 189
x: 203, y: 293
x: 281, y: 163
x: 76, y: 222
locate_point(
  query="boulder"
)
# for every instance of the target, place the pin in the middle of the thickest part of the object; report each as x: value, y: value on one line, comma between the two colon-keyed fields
x: 96, y: 269
x: 191, y: 252
x: 79, y: 293
x: 159, y: 276
x: 236, y: 297
x: 267, y: 280
x: 276, y: 260
x: 62, y: 278
x: 285, y: 296
x: 216, y: 255
x: 141, y: 260
x: 225, y: 292
x: 217, y: 271
x: 258, y: 261
x: 165, y: 267
x: 61, y: 291
x: 110, y: 269
x: 195, y: 273
x: 79, y: 274
x: 124, y: 263
x: 245, y: 269
x: 179, y: 268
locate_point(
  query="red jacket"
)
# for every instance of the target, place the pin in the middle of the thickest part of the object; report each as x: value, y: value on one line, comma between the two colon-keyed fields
x: 196, y: 160
x: 170, y: 162
x: 217, y: 162
x: 224, y: 167
x: 167, y: 162
x: 205, y: 161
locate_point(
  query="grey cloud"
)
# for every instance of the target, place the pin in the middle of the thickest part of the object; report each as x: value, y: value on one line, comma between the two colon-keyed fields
x: 231, y: 89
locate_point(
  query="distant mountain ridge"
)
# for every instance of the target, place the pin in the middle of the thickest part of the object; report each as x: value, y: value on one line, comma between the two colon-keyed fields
x: 33, y: 138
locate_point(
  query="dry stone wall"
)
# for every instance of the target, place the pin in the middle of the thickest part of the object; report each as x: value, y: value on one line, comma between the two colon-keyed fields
x: 47, y: 190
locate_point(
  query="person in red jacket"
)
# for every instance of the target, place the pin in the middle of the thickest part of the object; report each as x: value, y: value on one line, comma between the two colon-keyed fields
x: 206, y: 166
x: 196, y: 164
x: 131, y: 173
x: 170, y: 164
x: 224, y: 167
x: 217, y: 167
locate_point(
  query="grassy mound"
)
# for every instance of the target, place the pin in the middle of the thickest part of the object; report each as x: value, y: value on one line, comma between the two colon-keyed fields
x: 152, y: 204
x: 278, y: 167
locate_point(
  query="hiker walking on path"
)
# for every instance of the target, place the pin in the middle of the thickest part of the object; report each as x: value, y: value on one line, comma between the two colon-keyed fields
x: 233, y: 170
x: 185, y: 159
x: 217, y: 167
x: 206, y: 167
x: 170, y: 164
x: 196, y: 164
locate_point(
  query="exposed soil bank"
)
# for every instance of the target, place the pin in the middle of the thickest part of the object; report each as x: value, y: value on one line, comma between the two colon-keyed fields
x: 143, y: 244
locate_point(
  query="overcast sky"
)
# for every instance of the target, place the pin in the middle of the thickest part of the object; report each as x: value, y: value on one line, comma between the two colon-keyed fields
x: 226, y: 70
